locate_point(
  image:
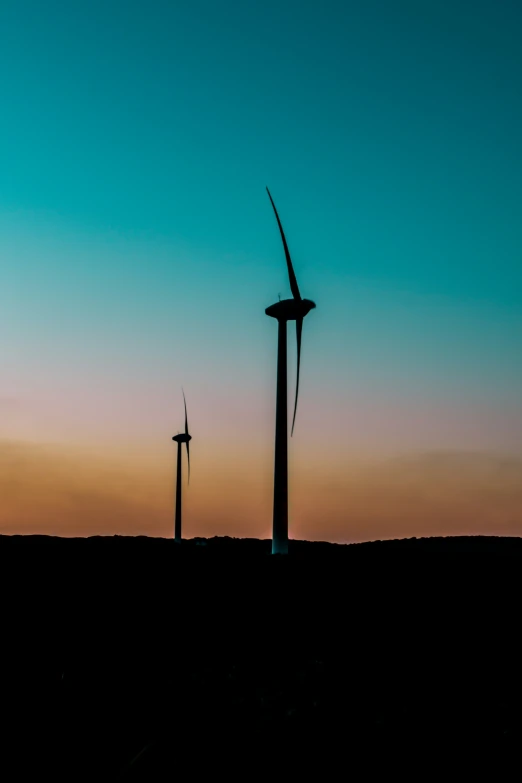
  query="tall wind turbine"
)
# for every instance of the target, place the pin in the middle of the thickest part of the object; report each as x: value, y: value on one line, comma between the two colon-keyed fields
x: 285, y: 310
x: 180, y: 438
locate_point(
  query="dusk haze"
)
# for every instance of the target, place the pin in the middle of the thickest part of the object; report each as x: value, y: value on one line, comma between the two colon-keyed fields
x: 139, y: 251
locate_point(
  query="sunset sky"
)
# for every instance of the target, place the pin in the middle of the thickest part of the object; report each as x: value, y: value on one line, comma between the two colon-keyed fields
x: 139, y: 250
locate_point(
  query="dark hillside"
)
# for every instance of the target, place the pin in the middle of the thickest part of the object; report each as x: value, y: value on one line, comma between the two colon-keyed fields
x: 214, y: 650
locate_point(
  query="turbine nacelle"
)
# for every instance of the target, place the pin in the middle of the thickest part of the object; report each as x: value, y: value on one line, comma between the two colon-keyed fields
x: 290, y: 309
x: 182, y: 438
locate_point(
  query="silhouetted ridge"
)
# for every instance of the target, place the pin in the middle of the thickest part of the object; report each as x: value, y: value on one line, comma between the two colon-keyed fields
x: 392, y: 547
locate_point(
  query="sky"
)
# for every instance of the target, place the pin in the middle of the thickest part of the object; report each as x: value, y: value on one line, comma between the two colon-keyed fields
x: 139, y: 250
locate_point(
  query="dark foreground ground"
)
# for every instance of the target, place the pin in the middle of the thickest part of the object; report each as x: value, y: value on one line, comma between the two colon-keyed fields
x: 215, y: 658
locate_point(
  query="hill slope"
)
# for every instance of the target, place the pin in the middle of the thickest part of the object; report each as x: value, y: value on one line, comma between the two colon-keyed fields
x: 113, y: 643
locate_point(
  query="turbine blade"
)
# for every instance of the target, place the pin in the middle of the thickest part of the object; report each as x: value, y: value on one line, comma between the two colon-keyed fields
x: 188, y: 460
x: 291, y: 274
x: 298, y: 333
x: 186, y: 420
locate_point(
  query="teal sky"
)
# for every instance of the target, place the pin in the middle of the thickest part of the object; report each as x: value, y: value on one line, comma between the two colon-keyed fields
x: 138, y: 248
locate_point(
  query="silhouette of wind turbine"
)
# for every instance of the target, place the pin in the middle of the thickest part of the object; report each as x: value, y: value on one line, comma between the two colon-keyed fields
x: 285, y: 310
x: 180, y: 438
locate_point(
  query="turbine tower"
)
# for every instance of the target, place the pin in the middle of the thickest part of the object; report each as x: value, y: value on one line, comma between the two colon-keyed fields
x: 285, y: 310
x: 180, y: 438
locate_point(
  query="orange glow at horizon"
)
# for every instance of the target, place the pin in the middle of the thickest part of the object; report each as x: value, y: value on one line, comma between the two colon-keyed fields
x: 66, y: 491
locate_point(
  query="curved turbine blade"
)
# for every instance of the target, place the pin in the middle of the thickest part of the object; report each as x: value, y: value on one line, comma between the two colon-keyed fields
x: 186, y: 420
x: 188, y: 460
x: 291, y: 274
x: 298, y: 332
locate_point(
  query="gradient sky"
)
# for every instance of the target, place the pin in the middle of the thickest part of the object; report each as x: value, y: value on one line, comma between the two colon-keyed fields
x: 138, y: 251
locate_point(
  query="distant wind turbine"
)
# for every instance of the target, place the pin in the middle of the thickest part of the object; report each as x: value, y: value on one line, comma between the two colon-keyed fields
x: 180, y: 438
x: 285, y: 310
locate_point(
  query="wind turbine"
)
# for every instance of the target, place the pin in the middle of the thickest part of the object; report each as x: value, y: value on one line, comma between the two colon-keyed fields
x: 285, y: 310
x: 180, y: 438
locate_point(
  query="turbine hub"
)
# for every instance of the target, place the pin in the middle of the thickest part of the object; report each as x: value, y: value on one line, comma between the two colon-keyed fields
x: 290, y: 309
